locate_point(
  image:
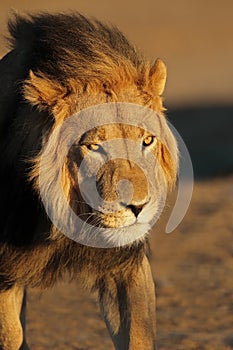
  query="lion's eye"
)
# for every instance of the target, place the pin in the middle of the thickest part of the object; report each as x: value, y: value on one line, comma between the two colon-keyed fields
x: 93, y: 147
x: 148, y: 141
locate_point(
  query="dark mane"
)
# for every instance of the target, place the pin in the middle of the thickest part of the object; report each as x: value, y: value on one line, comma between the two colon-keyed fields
x: 63, y: 46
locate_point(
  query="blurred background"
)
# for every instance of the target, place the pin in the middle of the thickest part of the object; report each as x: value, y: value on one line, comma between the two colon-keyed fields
x: 194, y: 38
x: 193, y: 266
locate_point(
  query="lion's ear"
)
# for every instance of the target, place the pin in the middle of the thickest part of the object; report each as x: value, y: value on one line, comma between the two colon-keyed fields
x: 157, y: 77
x: 43, y: 92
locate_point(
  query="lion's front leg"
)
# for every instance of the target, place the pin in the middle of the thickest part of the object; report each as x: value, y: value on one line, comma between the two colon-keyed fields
x: 128, y: 307
x: 12, y: 319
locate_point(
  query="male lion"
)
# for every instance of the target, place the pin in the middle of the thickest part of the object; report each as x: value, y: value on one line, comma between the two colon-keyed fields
x: 59, y: 65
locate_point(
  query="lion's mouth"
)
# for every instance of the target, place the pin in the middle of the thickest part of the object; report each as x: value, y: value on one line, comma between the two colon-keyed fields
x: 106, y: 230
x: 101, y: 220
x: 106, y: 236
x: 121, y: 219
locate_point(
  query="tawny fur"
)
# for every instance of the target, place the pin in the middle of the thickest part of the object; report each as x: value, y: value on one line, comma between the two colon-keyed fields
x: 58, y: 65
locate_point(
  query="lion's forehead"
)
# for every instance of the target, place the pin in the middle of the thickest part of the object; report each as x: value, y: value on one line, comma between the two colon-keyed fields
x: 113, y: 131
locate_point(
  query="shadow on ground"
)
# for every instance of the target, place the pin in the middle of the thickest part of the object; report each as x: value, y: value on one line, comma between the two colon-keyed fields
x: 208, y: 134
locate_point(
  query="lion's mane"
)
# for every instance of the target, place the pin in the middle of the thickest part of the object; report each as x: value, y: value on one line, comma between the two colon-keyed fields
x: 61, y: 49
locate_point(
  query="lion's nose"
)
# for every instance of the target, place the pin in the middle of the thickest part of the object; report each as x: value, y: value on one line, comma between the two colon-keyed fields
x: 136, y: 209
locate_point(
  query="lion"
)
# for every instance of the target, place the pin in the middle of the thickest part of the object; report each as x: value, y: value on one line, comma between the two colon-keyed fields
x: 59, y: 65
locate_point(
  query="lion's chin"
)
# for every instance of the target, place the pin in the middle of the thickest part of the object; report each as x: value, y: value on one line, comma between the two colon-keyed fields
x: 109, y: 237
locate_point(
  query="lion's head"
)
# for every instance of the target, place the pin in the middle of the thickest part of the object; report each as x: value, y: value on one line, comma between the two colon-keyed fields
x: 71, y: 65
x: 113, y: 73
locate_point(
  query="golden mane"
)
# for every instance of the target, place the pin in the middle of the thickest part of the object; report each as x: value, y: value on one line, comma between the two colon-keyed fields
x: 59, y: 65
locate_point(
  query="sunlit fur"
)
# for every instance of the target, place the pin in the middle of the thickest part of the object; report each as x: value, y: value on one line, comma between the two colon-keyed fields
x: 58, y: 65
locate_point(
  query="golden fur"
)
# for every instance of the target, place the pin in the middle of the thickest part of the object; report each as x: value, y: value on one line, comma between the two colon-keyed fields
x: 58, y: 78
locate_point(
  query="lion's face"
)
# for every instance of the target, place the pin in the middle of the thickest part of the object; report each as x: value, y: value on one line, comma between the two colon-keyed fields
x: 117, y: 176
x: 109, y: 173
x: 105, y: 175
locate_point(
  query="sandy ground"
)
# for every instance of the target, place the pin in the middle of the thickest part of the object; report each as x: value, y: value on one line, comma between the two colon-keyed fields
x: 193, y: 269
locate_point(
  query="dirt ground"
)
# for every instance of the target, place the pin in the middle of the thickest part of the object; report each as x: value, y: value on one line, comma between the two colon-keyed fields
x: 193, y: 270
